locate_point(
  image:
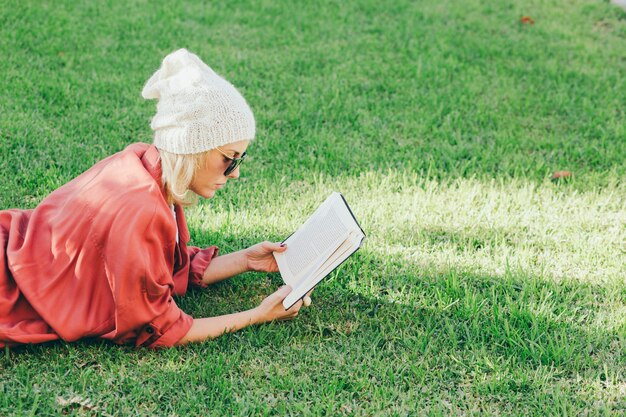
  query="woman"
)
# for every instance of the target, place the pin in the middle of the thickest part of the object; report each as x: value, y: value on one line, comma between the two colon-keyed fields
x: 103, y: 255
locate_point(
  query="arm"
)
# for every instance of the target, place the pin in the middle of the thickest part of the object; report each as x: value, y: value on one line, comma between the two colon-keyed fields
x: 255, y: 258
x: 225, y: 266
x: 212, y: 327
x: 270, y: 309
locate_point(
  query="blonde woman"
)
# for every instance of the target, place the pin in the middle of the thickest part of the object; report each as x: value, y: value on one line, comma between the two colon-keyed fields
x: 103, y: 255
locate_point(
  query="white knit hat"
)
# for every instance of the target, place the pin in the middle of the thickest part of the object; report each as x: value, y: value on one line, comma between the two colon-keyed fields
x: 197, y: 110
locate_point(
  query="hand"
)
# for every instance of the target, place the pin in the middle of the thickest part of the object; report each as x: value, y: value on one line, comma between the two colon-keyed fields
x: 271, y: 308
x: 259, y: 257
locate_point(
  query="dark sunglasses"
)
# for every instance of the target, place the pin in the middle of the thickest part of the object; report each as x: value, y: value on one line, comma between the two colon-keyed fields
x: 234, y: 162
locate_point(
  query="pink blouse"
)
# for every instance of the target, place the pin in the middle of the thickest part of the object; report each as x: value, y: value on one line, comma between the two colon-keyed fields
x: 98, y: 258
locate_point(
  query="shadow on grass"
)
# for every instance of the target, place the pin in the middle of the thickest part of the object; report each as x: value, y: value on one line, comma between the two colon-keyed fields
x: 419, y: 331
x: 427, y: 332
x: 537, y: 321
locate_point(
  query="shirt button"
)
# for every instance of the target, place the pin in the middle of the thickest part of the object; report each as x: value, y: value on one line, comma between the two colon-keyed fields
x: 149, y: 329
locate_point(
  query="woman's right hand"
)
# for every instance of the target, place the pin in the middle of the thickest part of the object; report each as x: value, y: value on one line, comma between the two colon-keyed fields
x: 271, y: 308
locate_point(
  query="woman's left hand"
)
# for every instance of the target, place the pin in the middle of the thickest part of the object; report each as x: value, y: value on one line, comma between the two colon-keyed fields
x: 259, y: 257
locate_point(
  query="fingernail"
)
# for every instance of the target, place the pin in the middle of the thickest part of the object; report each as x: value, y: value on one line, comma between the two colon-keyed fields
x: 282, y: 245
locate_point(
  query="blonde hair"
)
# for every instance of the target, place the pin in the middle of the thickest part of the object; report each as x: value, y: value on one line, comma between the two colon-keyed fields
x: 178, y: 172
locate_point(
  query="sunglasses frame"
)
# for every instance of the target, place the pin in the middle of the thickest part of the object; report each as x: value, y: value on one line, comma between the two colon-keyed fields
x: 235, y: 162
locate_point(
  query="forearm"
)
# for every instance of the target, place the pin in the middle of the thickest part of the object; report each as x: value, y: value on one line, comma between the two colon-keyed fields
x: 225, y: 266
x: 212, y: 327
x: 269, y: 310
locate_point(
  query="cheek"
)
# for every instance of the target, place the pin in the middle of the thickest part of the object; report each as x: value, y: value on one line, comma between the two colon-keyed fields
x: 211, y: 173
x: 217, y: 169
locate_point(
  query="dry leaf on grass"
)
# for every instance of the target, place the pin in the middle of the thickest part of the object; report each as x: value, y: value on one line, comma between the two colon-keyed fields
x: 561, y: 175
x: 77, y: 401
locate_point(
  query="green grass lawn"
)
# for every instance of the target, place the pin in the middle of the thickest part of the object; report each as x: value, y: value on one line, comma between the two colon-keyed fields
x: 482, y: 287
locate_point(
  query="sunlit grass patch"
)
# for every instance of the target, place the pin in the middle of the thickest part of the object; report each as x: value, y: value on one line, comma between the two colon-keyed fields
x: 487, y: 227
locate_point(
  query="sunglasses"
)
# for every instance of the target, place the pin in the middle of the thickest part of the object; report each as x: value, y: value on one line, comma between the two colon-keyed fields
x: 234, y: 162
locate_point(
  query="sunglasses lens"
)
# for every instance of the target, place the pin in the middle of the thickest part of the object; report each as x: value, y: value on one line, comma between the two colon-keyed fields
x: 234, y: 164
x: 231, y: 168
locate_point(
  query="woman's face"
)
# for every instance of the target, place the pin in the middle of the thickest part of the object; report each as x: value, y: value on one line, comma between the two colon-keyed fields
x: 210, y: 177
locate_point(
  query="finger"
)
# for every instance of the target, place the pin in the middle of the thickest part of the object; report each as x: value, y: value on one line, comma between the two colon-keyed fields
x: 278, y: 247
x: 307, y: 299
x: 280, y: 294
x: 266, y: 246
x: 288, y: 315
x: 284, y: 291
x: 296, y: 307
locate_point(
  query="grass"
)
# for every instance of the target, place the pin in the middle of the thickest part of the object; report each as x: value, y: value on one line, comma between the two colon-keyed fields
x: 482, y: 288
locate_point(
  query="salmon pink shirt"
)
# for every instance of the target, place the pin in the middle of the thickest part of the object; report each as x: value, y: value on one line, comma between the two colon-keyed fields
x: 99, y: 258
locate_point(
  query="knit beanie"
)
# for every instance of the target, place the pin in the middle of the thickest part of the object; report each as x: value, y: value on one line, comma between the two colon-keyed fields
x: 197, y: 109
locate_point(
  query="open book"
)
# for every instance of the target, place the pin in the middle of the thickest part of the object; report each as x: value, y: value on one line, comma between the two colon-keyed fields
x: 319, y: 246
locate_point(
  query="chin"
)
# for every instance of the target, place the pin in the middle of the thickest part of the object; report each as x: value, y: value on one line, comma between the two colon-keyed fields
x: 206, y: 194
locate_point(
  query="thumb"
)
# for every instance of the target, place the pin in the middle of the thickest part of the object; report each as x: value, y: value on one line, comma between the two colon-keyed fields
x: 279, y: 247
x: 283, y: 291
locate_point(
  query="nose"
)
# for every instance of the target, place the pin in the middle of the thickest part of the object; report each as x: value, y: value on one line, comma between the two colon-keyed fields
x: 235, y: 174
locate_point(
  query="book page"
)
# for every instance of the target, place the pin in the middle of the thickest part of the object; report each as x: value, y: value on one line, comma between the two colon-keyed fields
x: 343, y: 251
x: 347, y: 248
x: 318, y: 237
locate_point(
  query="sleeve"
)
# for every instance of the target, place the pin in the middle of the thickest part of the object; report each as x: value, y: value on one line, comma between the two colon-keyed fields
x: 165, y: 330
x: 199, y: 261
x: 140, y: 261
